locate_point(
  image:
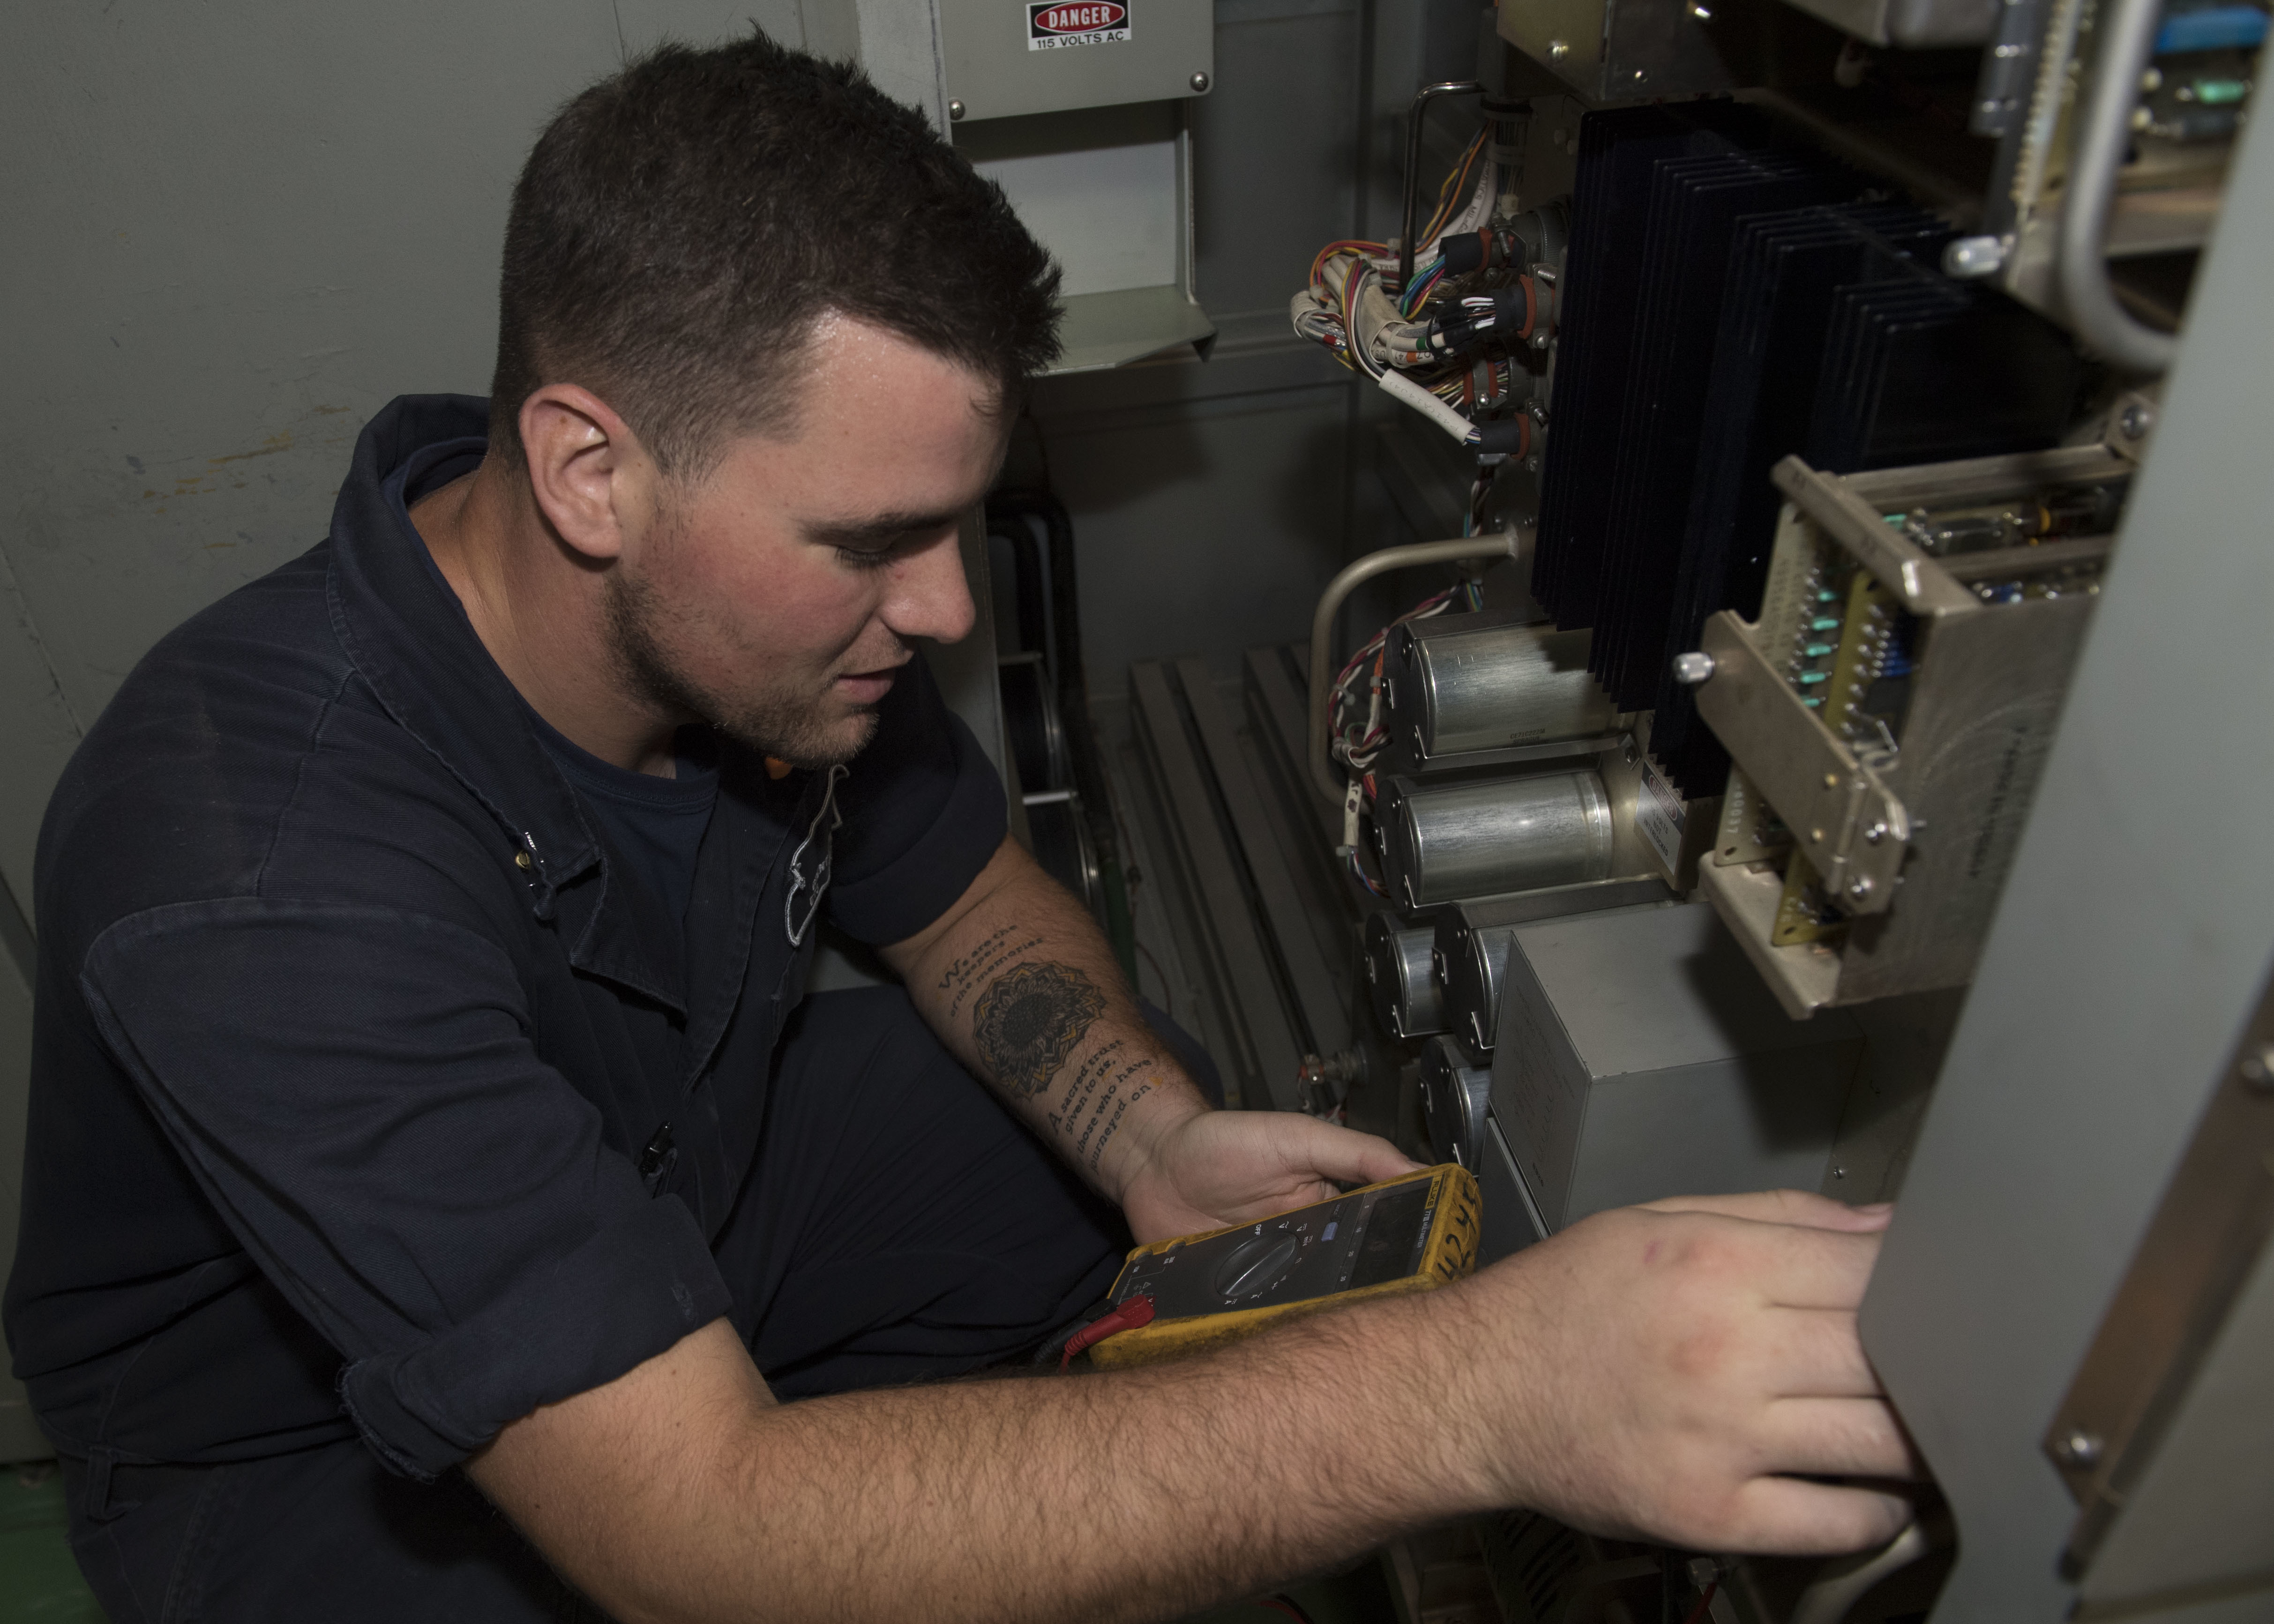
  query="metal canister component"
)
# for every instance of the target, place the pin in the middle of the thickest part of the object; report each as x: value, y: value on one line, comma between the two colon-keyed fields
x: 1454, y: 692
x: 1506, y: 834
x: 1475, y: 962
x: 1454, y: 1092
x: 1405, y: 992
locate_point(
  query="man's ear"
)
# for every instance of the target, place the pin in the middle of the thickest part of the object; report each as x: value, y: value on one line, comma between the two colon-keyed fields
x: 591, y: 477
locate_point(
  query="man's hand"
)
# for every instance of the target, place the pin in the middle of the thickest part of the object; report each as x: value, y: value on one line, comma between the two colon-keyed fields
x: 1683, y: 1371
x: 1212, y: 1169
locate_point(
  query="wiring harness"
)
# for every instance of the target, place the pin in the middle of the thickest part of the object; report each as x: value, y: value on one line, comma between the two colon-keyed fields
x: 1442, y: 344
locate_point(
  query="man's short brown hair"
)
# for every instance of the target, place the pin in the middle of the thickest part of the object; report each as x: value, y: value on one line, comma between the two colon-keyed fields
x: 682, y: 227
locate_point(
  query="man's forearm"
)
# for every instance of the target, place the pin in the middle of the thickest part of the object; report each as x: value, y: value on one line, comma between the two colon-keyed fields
x: 1129, y: 1495
x: 1021, y: 983
x: 1688, y: 1373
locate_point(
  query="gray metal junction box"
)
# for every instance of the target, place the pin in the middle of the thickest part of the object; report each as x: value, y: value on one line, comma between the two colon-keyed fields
x: 999, y: 59
x: 1640, y: 1056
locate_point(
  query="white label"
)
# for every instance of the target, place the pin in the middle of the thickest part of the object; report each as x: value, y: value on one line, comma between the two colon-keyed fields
x: 1053, y: 25
x: 1659, y: 814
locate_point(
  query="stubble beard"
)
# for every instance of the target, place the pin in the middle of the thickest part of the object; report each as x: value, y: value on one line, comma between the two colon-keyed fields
x: 804, y: 728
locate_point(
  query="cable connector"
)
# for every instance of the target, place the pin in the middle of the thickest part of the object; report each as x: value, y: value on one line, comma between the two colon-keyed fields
x: 1488, y: 250
x: 1509, y: 314
x: 1503, y: 437
x: 1138, y: 1311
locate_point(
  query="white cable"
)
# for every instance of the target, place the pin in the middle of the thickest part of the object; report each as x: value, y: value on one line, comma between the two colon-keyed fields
x: 1428, y: 405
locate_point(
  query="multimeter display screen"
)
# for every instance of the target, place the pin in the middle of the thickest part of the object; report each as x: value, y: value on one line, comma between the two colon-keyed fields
x: 1362, y: 1239
x: 1391, y: 1246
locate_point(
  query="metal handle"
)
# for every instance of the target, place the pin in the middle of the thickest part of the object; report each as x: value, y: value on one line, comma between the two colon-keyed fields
x: 1421, y: 100
x: 2127, y: 31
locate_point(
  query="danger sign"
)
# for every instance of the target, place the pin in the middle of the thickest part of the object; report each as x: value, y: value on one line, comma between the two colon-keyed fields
x: 1056, y: 23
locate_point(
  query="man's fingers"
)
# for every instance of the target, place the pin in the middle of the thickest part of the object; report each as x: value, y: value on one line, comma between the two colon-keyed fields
x: 1340, y: 1153
x: 1789, y: 1517
x: 1793, y: 1206
x: 1778, y: 1266
x: 1838, y: 1438
x: 1815, y: 1354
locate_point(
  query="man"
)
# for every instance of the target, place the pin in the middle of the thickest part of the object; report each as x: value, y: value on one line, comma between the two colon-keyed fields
x: 428, y: 1123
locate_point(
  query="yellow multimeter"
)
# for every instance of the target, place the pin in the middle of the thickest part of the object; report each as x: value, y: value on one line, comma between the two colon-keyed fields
x: 1409, y: 1234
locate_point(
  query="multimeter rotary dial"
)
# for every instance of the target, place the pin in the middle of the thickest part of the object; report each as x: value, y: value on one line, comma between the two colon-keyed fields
x: 1256, y: 1265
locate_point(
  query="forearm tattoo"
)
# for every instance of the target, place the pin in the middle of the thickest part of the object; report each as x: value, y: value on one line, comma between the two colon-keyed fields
x: 1028, y: 1021
x: 1096, y: 1090
x: 974, y: 967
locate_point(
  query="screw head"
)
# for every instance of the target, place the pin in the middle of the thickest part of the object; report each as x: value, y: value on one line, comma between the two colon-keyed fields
x: 1860, y: 887
x: 2079, y: 1449
x: 1540, y: 339
x: 2134, y: 421
x: 1558, y: 50
x: 1199, y: 82
x: 1839, y: 1172
x: 1694, y: 669
x: 954, y: 111
x: 1969, y: 258
x: 1832, y: 780
x: 1874, y: 834
x: 1531, y: 465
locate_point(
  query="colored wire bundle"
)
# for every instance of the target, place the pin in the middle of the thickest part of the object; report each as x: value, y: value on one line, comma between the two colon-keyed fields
x: 1348, y: 308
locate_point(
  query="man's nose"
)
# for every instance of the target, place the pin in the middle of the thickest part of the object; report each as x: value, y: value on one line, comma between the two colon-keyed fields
x: 928, y: 596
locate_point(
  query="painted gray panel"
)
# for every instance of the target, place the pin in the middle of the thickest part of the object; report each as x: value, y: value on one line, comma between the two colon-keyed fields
x: 1640, y: 1057
x: 1510, y: 1222
x: 1209, y: 527
x: 2118, y: 970
x: 1275, y: 168
x: 37, y: 733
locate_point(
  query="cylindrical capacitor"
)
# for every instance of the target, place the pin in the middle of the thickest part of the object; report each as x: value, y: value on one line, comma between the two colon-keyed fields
x: 1506, y: 834
x: 1470, y: 964
x: 1453, y: 1094
x: 1451, y: 692
x: 1405, y: 993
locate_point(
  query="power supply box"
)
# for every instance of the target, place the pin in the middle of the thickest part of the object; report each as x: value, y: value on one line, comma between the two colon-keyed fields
x: 1640, y: 1056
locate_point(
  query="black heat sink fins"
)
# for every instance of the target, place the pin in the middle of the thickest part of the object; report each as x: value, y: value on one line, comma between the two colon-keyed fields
x: 1731, y: 299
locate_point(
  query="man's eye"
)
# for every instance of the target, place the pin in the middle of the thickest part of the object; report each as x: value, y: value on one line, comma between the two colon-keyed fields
x: 866, y: 558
